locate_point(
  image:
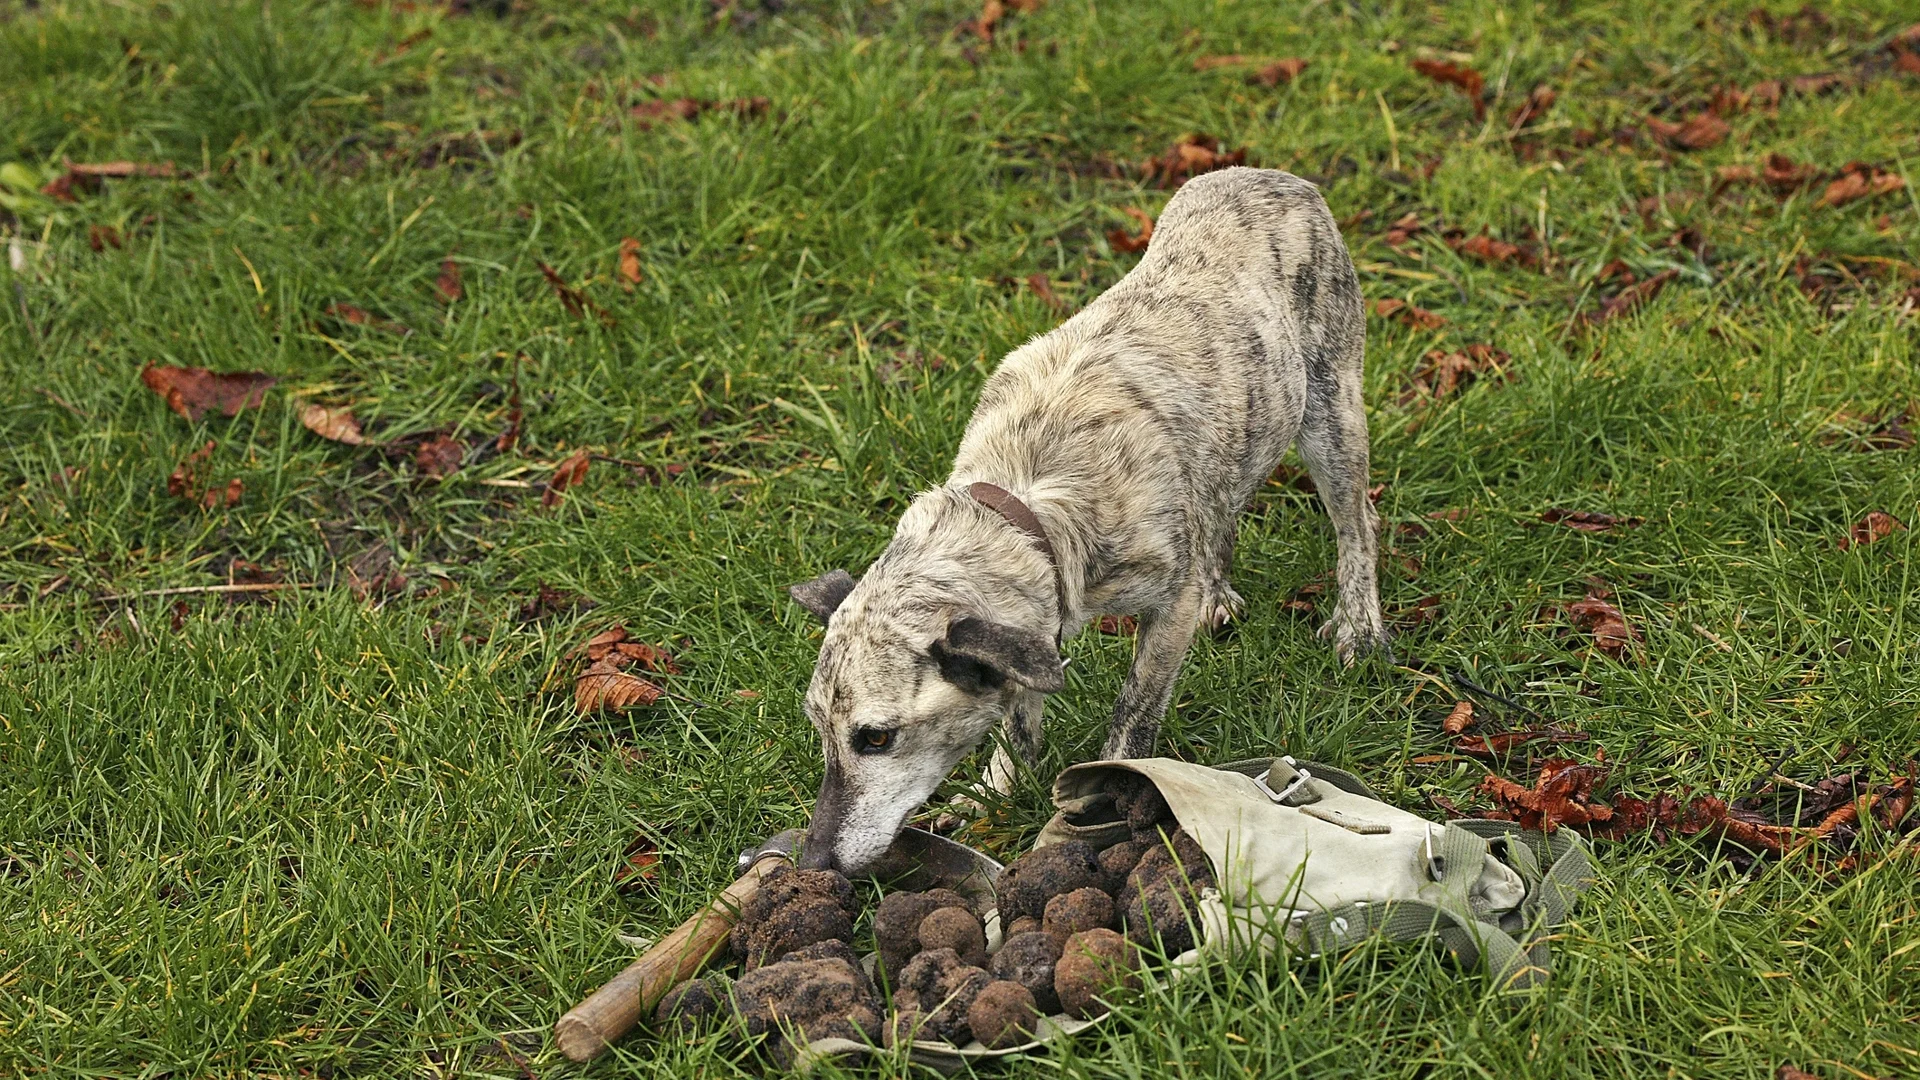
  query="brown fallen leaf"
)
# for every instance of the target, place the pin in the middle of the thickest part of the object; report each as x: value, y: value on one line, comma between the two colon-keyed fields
x: 991, y: 12
x: 1469, y: 81
x: 1539, y: 100
x: 1562, y: 795
x: 1783, y: 174
x: 193, y: 391
x: 1278, y: 73
x: 448, y: 283
x: 549, y: 601
x: 180, y: 482
x: 440, y: 457
x: 1123, y: 242
x: 1043, y: 289
x: 574, y: 300
x: 1859, y: 180
x: 339, y: 424
x: 102, y: 237
x: 1628, y: 300
x: 1487, y: 249
x: 1592, y: 521
x: 1460, y: 719
x: 189, y: 481
x: 1404, y: 228
x: 565, y: 475
x: 1117, y: 625
x: 1700, y: 131
x: 605, y: 686
x: 1304, y: 600
x: 1612, y: 634
x: 1419, y: 613
x: 360, y: 317
x: 1400, y: 310
x: 1877, y: 525
x: 639, y: 863
x: 1888, y: 432
x: 1190, y: 156
x: 629, y: 263
x: 1441, y: 372
x: 1788, y: 1072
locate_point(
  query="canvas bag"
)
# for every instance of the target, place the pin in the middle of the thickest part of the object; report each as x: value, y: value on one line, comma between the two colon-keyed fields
x: 1308, y: 858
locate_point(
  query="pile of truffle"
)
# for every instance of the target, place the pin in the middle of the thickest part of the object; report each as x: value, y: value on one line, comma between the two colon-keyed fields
x: 1073, y: 918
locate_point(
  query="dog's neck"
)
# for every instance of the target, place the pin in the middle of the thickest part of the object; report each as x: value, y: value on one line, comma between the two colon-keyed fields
x: 952, y: 549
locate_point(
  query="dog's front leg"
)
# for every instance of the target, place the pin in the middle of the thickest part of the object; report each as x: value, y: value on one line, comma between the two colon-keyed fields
x: 1022, y: 741
x: 1159, y: 649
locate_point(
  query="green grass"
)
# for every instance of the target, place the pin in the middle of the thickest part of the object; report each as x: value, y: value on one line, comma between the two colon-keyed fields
x: 326, y: 835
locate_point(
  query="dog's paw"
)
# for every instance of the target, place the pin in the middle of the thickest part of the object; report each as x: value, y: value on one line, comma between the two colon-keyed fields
x: 1220, y: 607
x: 1354, y: 638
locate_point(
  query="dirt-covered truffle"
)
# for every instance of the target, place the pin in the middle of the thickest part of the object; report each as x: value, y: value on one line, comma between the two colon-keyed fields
x: 942, y: 989
x: 1003, y: 1015
x: 1137, y: 799
x: 1022, y: 925
x: 791, y: 910
x: 798, y: 1001
x: 1044, y: 873
x: 905, y: 1024
x: 958, y: 929
x: 1028, y: 959
x: 692, y: 1004
x: 832, y: 949
x: 1094, y: 965
x: 1119, y: 860
x: 1081, y: 909
x: 896, y: 922
x: 1162, y: 891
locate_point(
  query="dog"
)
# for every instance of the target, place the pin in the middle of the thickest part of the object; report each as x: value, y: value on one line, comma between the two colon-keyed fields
x: 1102, y: 473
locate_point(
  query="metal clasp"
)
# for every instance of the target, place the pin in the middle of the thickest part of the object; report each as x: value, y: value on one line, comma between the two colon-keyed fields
x: 1300, y: 778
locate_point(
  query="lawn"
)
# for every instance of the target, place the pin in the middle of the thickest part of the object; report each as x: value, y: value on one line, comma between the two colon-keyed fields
x: 351, y: 823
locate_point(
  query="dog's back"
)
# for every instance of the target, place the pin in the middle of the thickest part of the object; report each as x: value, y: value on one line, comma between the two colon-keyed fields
x: 1176, y: 392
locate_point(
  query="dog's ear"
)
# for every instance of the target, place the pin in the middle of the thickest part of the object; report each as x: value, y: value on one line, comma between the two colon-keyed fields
x: 978, y: 655
x: 824, y: 594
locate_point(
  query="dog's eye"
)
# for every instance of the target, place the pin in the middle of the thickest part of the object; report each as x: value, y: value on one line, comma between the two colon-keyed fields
x: 873, y: 740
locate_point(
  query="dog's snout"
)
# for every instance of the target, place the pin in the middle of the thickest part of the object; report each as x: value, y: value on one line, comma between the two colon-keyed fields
x: 823, y: 832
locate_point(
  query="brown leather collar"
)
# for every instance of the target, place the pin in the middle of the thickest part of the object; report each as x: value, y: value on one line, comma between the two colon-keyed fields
x: 1020, y: 516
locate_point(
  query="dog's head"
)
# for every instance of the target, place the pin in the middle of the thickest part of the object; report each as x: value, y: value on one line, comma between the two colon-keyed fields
x: 902, y: 691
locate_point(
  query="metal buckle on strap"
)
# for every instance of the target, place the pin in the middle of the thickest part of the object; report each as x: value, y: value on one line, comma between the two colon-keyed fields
x: 1300, y: 778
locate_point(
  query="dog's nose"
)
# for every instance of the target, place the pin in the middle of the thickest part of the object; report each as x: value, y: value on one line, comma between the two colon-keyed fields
x: 816, y: 856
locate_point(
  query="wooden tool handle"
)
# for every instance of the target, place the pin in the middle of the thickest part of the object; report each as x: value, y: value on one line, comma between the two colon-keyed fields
x: 589, y: 1027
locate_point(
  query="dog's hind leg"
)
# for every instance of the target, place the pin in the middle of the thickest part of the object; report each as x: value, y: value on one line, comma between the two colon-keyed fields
x: 1333, y: 443
x: 1219, y: 604
x: 1022, y: 736
x: 1159, y: 649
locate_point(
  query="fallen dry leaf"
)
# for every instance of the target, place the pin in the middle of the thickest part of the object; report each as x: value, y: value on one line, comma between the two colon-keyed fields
x: 1589, y: 520
x: 1403, y: 229
x: 1043, y: 289
x: 102, y: 237
x: 448, y: 283
x: 1538, y: 102
x: 1699, y: 132
x: 1441, y: 372
x: 1611, y: 632
x: 189, y: 481
x: 1877, y: 525
x: 338, y: 424
x: 1419, y: 613
x: 549, y: 601
x: 574, y: 300
x: 565, y: 475
x: 1888, y: 432
x: 629, y: 263
x: 1118, y: 625
x: 192, y: 391
x: 360, y: 317
x: 1487, y: 249
x: 1278, y: 73
x: 1783, y: 174
x: 638, y: 865
x: 1123, y: 242
x: 1469, y: 81
x: 1190, y: 156
x: 1400, y: 310
x: 1460, y: 719
x: 1788, y: 1072
x: 605, y: 686
x: 440, y: 457
x: 1859, y: 180
x: 1628, y: 299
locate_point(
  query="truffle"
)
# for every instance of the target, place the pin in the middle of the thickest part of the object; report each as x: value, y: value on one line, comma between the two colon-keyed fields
x: 958, y: 929
x: 1003, y: 1015
x: 941, y: 989
x: 798, y: 1001
x: 691, y: 1004
x: 902, y: 1026
x: 1029, y: 959
x: 896, y: 922
x: 1119, y: 860
x: 804, y: 920
x: 1044, y: 873
x: 1081, y: 909
x: 1137, y: 799
x: 832, y: 949
x: 1094, y: 965
x: 1161, y: 891
x: 1023, y: 924
x: 792, y: 909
